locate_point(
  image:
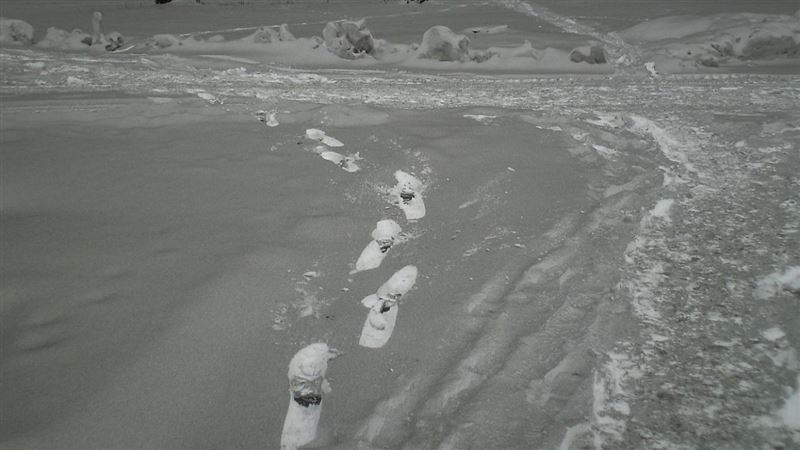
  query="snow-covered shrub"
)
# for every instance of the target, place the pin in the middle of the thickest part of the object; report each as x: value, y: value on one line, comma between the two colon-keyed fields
x: 14, y: 31
x: 441, y: 43
x: 591, y: 54
x: 348, y: 39
x: 269, y: 34
x: 62, y: 39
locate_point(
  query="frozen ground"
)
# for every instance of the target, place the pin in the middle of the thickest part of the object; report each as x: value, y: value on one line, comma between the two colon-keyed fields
x: 605, y: 260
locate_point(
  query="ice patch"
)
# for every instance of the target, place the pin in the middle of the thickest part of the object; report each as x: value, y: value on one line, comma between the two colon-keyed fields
x: 773, y: 334
x: 610, y: 406
x: 651, y: 67
x: 605, y: 152
x: 480, y: 118
x: 487, y: 30
x: 661, y: 210
x: 674, y: 149
x: 777, y: 282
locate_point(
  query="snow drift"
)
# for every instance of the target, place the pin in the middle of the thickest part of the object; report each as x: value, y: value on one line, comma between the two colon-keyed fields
x: 711, y: 41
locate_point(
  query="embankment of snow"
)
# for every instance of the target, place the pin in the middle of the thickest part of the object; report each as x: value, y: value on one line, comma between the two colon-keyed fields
x: 14, y: 31
x: 685, y: 42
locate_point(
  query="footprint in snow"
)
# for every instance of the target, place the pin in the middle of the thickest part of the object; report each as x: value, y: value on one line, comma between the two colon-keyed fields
x: 383, y: 306
x: 210, y: 98
x: 319, y: 135
x: 269, y: 119
x: 347, y: 163
x: 307, y: 386
x: 407, y: 194
x: 383, y: 237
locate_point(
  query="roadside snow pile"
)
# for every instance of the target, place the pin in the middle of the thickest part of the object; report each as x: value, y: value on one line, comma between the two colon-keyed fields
x: 683, y: 41
x: 14, y: 31
x: 347, y: 39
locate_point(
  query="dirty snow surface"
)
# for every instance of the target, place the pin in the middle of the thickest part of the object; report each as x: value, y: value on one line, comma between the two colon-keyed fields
x: 607, y: 255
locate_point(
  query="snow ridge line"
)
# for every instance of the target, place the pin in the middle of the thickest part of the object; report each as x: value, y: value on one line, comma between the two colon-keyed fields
x: 622, y: 53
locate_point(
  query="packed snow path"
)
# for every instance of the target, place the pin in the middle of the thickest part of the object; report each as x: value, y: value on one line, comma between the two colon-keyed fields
x: 645, y: 314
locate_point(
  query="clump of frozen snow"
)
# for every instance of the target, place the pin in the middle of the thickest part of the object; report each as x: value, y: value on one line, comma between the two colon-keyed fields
x: 590, y: 54
x: 442, y: 44
x: 348, y: 39
x: 790, y: 413
x: 719, y: 39
x: 774, y: 283
x: 14, y: 31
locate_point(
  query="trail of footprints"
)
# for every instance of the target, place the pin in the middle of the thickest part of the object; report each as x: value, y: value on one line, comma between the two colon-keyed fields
x: 307, y: 382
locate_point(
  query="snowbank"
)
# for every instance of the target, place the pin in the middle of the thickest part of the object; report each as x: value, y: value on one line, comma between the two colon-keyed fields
x: 14, y: 31
x: 346, y: 43
x: 683, y: 41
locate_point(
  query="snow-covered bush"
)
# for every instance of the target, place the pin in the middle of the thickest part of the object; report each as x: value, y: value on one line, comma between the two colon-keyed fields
x: 348, y: 39
x: 269, y: 34
x: 441, y: 43
x: 591, y: 54
x: 14, y: 31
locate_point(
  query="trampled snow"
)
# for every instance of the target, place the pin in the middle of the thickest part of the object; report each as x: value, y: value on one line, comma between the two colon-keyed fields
x: 599, y: 253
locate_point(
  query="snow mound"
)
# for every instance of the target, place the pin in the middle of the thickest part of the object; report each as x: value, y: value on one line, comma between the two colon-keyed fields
x: 590, y: 54
x: 442, y: 44
x: 347, y: 39
x: 57, y: 38
x: 270, y: 34
x: 14, y: 31
x: 719, y: 39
